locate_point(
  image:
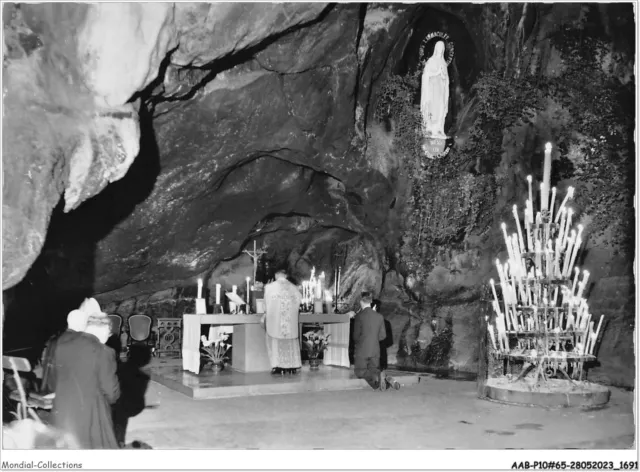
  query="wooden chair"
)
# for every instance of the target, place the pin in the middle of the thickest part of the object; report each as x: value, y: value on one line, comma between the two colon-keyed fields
x: 33, y: 400
x: 140, y: 332
x: 116, y: 324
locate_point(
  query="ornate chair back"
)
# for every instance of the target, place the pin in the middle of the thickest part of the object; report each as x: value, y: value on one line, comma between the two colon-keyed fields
x: 116, y: 324
x: 139, y: 327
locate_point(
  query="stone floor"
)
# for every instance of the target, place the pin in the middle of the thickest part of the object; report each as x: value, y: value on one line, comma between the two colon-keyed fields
x: 432, y: 414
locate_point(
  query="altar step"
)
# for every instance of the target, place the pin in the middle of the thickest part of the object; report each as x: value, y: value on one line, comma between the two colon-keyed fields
x: 230, y: 383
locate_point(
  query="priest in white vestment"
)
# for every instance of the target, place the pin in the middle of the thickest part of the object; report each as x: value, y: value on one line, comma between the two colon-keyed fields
x: 282, y: 304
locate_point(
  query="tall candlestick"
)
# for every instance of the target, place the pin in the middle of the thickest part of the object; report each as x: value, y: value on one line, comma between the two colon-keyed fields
x: 218, y: 294
x: 520, y: 238
x: 529, y: 180
x: 569, y: 216
x: 248, y: 293
x: 493, y: 289
x: 505, y: 290
x: 199, y: 288
x: 546, y: 177
x: 576, y: 247
x: 561, y: 230
x: 527, y: 228
x: 595, y: 338
x: 556, y: 260
x: 566, y: 197
x: 567, y: 255
x: 506, y: 240
x: 575, y: 281
x: 517, y: 261
x: 553, y: 201
x: 583, y: 284
x: 339, y: 270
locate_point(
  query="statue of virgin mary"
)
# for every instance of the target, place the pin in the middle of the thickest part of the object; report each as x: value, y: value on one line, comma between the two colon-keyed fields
x: 434, y: 98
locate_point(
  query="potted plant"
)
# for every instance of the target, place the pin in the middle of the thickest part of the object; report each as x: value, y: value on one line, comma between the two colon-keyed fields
x: 315, y: 343
x: 215, y: 350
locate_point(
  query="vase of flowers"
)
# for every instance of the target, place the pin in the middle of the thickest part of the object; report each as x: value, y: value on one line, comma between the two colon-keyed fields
x: 215, y: 349
x: 315, y: 343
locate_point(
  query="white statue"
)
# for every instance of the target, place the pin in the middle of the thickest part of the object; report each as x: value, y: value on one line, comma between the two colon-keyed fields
x: 434, y: 99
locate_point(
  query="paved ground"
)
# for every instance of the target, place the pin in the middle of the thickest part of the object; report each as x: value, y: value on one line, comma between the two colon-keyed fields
x: 436, y: 414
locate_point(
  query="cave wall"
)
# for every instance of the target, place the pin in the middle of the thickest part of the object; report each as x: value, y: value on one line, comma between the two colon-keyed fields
x: 131, y: 174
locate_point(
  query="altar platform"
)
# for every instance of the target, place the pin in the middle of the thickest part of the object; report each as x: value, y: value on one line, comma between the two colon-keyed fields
x: 230, y: 383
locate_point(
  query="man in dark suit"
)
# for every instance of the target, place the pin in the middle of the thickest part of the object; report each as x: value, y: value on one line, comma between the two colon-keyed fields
x: 368, y: 331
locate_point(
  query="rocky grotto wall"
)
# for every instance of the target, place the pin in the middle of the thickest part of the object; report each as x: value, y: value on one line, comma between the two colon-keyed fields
x: 132, y: 166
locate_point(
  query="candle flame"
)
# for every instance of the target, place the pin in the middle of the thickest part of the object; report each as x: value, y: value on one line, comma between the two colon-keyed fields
x: 515, y: 208
x: 503, y: 225
x: 491, y: 281
x: 529, y: 178
x: 248, y: 278
x: 547, y: 147
x: 553, y: 189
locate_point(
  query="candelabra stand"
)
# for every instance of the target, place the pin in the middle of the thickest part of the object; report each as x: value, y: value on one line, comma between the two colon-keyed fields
x: 540, y: 315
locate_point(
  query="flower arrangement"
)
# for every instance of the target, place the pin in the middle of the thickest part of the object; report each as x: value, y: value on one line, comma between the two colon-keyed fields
x: 315, y: 342
x: 215, y: 349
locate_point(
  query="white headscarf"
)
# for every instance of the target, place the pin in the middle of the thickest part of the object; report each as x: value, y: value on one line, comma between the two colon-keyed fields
x: 77, y: 320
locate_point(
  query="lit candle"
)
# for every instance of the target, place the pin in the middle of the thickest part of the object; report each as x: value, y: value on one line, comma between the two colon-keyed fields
x: 248, y: 291
x: 199, y: 288
x: 567, y: 197
x: 217, y: 294
x: 543, y: 203
x: 553, y: 201
x: 546, y: 177
x: 339, y: 270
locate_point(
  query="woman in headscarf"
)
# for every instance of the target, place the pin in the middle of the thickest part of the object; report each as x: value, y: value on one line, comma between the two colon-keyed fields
x: 86, y: 386
x: 434, y: 98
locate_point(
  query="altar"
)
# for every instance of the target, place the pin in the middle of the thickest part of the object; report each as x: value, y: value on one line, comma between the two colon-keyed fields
x: 249, y: 344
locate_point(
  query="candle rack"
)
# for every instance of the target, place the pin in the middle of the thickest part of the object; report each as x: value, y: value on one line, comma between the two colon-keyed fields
x: 540, y: 314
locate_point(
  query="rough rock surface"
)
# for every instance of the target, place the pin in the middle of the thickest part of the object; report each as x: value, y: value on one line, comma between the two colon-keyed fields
x: 202, y: 127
